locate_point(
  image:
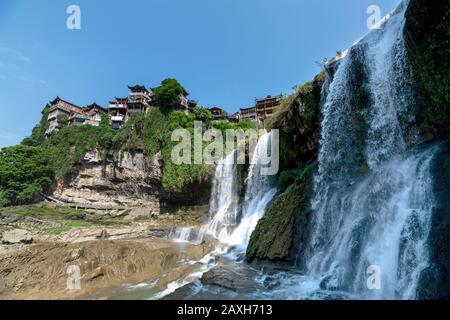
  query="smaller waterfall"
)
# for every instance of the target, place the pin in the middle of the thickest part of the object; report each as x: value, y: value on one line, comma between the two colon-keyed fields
x: 224, y: 198
x: 186, y: 234
x: 225, y: 223
x: 260, y: 192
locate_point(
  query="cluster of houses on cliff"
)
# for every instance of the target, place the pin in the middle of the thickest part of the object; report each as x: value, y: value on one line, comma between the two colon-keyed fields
x: 140, y: 99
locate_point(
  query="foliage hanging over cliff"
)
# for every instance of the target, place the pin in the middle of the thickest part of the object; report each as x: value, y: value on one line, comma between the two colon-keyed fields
x: 298, y: 119
x: 37, y: 137
x: 25, y: 173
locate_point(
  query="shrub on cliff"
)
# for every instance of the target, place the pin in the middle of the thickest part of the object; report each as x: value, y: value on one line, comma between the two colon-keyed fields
x: 155, y: 131
x: 168, y: 93
x: 37, y: 137
x: 68, y: 146
x: 25, y: 172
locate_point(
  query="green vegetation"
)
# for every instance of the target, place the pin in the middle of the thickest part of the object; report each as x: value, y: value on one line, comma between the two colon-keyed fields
x: 298, y: 119
x: 25, y: 173
x: 282, y: 231
x: 37, y: 137
x: 204, y: 115
x: 280, y: 234
x: 44, y: 211
x: 28, y: 169
x: 68, y: 146
x: 62, y: 118
x: 155, y: 131
x: 69, y: 225
x: 289, y: 177
x: 168, y: 94
x: 428, y: 34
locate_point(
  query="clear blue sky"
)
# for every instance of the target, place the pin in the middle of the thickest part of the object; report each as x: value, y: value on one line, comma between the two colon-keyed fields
x: 225, y: 52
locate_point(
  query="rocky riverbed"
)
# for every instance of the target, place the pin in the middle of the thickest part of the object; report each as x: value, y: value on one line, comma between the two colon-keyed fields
x: 57, y: 253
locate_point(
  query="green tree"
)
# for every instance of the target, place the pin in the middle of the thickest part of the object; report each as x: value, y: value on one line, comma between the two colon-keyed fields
x: 168, y: 94
x: 180, y: 120
x: 204, y: 115
x: 37, y: 137
x: 25, y: 172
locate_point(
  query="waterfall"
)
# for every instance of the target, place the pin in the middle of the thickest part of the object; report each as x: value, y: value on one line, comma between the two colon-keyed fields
x: 225, y: 224
x: 223, y: 208
x: 372, y: 199
x: 259, y: 193
x: 223, y: 205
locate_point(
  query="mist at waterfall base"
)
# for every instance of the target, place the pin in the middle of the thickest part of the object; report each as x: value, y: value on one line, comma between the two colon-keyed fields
x: 372, y: 199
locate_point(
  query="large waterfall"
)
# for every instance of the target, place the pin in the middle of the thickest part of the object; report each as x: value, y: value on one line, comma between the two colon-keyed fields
x: 373, y: 193
x: 373, y: 200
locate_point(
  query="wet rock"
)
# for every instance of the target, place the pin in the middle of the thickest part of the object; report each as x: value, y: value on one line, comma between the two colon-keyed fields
x: 434, y: 282
x: 228, y: 277
x: 281, y: 233
x: 17, y: 236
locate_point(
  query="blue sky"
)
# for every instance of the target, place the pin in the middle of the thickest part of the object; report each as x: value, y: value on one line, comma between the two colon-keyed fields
x: 225, y: 52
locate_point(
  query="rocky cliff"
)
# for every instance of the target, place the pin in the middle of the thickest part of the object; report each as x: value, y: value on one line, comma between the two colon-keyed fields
x: 280, y: 234
x: 128, y: 179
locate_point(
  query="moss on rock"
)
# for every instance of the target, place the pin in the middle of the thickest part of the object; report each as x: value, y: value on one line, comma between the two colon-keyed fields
x: 280, y: 234
x: 427, y: 34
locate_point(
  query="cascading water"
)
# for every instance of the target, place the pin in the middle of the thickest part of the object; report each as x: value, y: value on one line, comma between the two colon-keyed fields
x: 223, y: 208
x: 373, y: 194
x: 260, y: 192
x: 231, y: 230
x: 224, y: 204
x: 383, y: 218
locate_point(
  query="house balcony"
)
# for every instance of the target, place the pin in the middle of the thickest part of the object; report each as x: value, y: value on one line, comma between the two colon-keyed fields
x: 117, y: 118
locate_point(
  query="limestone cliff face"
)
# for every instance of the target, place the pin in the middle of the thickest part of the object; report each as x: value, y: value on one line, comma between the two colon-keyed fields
x: 130, y: 179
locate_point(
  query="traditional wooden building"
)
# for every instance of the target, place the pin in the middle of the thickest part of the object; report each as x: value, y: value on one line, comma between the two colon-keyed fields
x: 265, y: 107
x: 192, y: 104
x: 218, y: 113
x: 186, y: 105
x: 234, y: 118
x: 94, y: 112
x: 247, y: 114
x: 118, y: 112
x: 60, y: 113
x: 139, y: 99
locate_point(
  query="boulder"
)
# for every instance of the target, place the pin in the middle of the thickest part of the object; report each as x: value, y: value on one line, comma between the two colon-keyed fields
x: 232, y: 278
x: 17, y: 236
